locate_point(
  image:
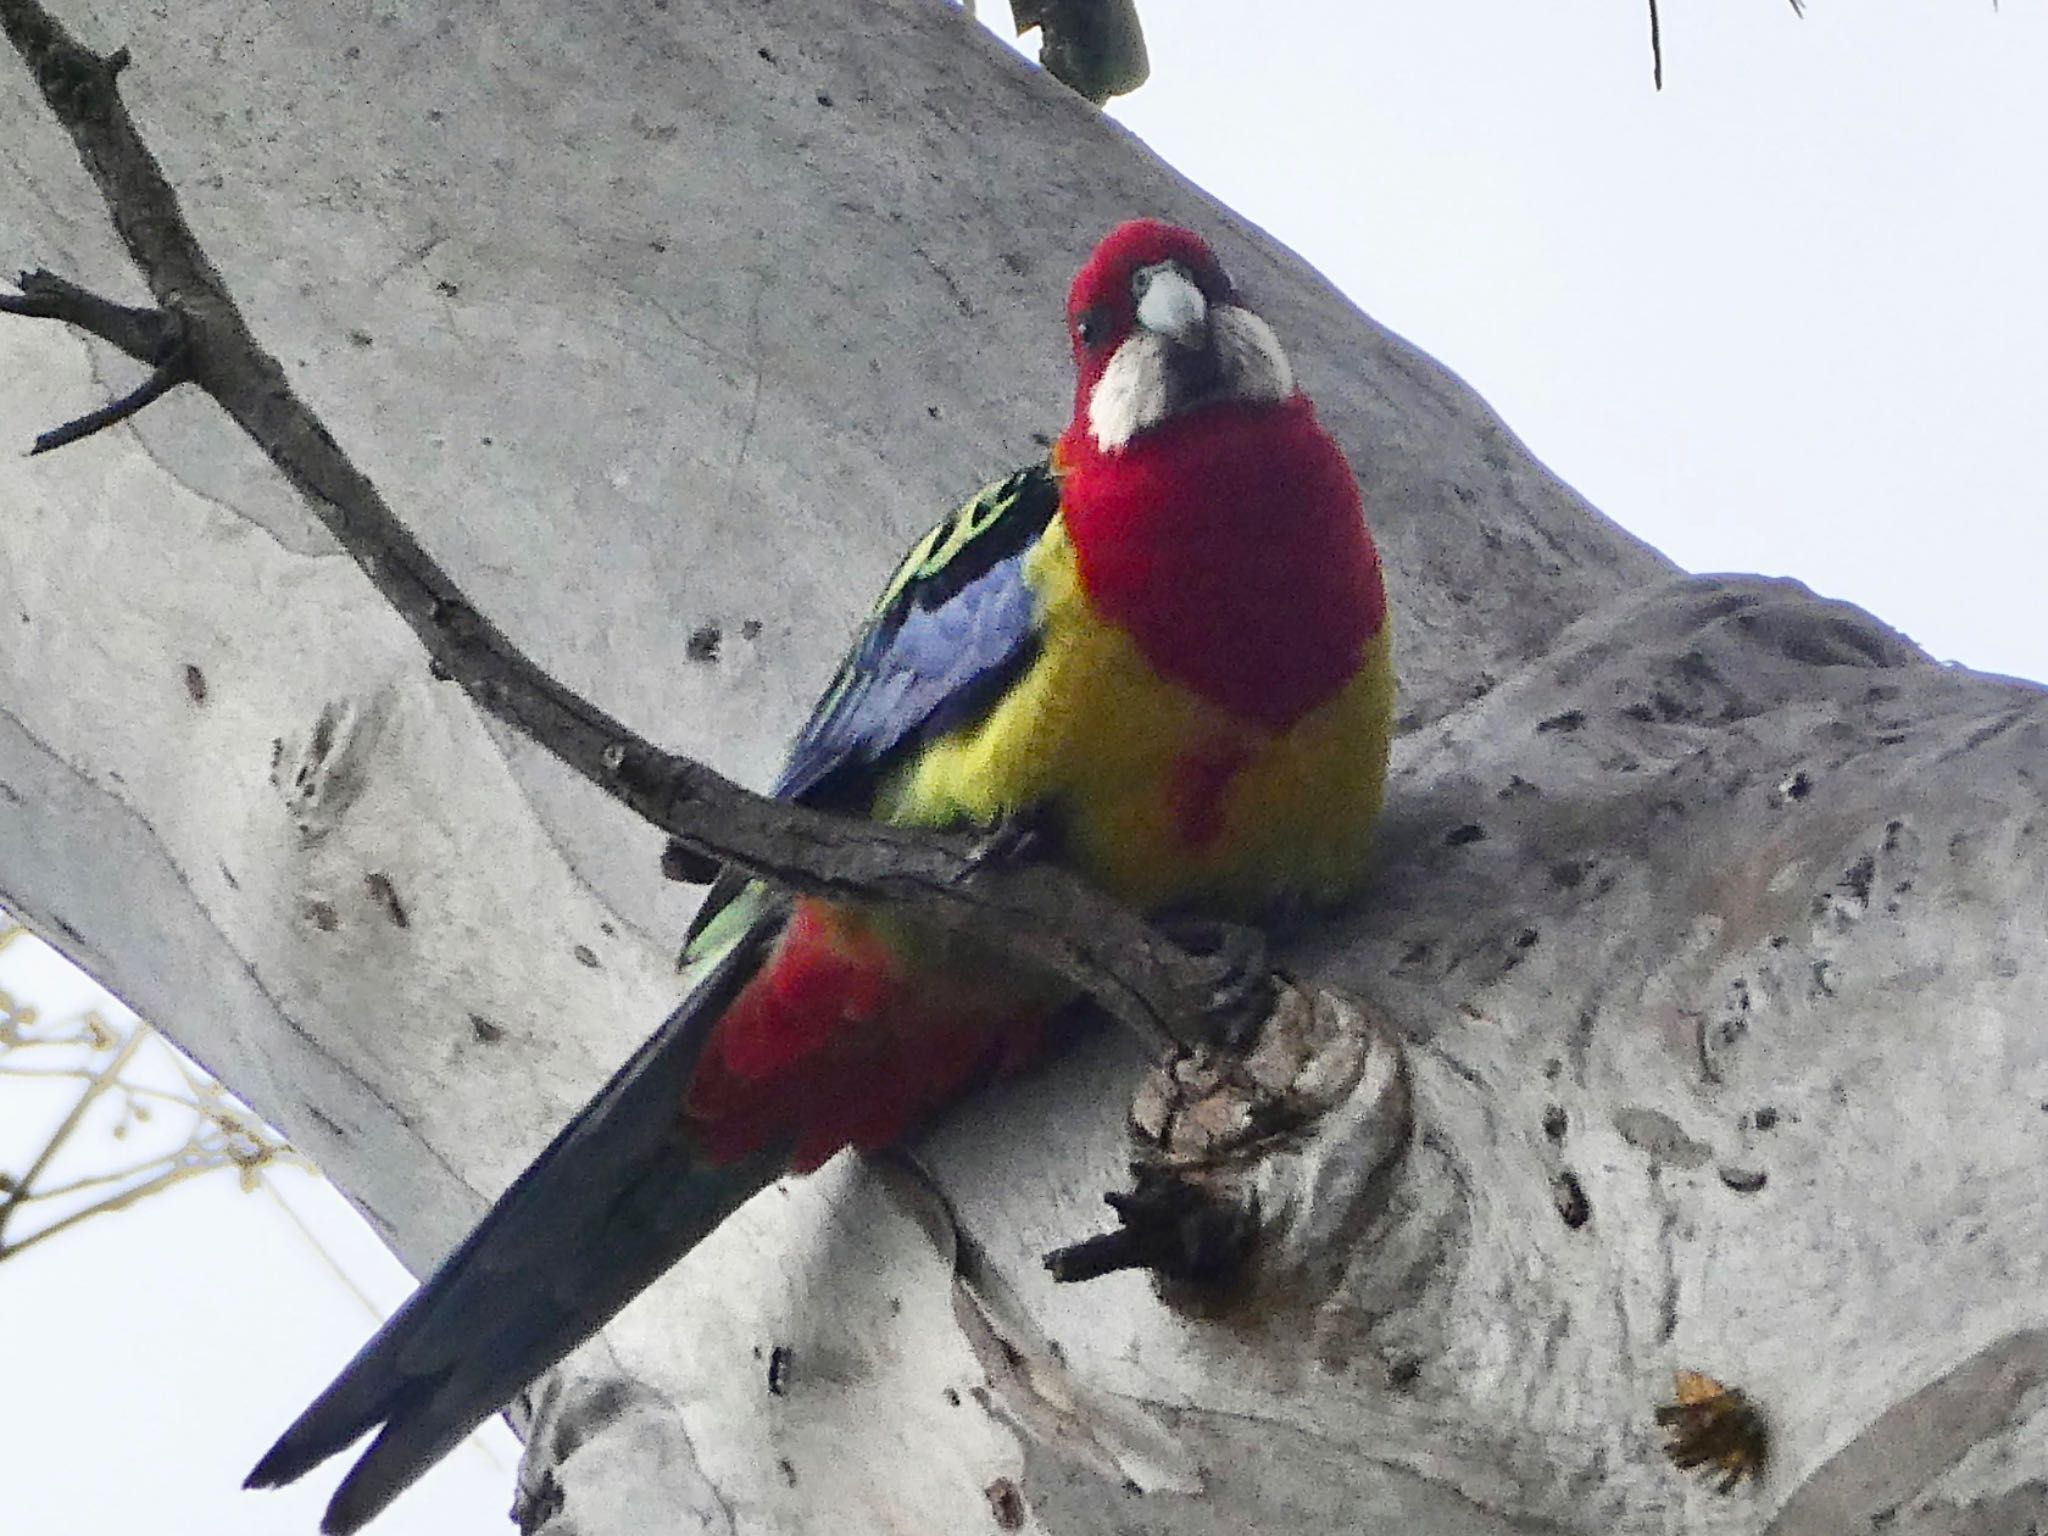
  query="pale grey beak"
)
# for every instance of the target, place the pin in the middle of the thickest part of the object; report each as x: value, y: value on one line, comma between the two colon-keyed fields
x: 1170, y: 305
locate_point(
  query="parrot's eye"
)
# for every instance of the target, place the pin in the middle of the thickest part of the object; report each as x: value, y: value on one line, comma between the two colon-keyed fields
x: 1089, y: 328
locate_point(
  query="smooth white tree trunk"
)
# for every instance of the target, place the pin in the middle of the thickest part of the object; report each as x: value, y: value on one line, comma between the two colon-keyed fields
x: 666, y: 327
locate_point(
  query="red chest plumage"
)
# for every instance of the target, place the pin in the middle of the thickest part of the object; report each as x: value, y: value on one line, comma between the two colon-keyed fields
x: 1231, y: 545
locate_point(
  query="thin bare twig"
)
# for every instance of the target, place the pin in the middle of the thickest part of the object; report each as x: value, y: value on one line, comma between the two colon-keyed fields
x: 152, y: 336
x: 21, y: 1191
x: 171, y: 1176
x: 221, y: 1133
x: 1038, y: 913
x: 1657, y: 46
x: 162, y: 380
x: 102, y: 1180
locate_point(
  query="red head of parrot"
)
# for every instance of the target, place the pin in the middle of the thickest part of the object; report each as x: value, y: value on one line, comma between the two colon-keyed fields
x: 1212, y: 516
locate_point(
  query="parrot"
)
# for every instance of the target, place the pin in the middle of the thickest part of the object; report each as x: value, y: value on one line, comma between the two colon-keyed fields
x: 1165, y: 646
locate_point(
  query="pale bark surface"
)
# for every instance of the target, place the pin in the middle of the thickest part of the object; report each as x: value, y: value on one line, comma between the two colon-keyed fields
x: 666, y: 330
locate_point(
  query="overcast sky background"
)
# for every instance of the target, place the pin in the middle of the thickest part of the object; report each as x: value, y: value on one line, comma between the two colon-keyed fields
x: 1787, y: 316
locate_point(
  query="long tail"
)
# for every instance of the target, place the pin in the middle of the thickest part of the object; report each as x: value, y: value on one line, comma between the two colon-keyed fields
x: 617, y: 1197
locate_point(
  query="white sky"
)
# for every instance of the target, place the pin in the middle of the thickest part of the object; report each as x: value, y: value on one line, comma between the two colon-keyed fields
x: 1789, y: 316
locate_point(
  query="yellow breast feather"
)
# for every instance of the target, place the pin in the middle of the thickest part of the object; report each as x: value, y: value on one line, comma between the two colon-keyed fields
x: 1160, y: 797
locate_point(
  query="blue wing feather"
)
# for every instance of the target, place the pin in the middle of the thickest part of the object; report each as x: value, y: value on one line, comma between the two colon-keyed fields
x: 924, y: 674
x: 953, y: 627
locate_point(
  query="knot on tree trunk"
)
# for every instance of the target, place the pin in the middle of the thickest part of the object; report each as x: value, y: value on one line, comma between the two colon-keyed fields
x: 1242, y: 1154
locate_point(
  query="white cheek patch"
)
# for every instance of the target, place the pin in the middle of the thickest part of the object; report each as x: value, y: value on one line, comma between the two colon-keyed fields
x: 1134, y: 392
x: 1140, y: 388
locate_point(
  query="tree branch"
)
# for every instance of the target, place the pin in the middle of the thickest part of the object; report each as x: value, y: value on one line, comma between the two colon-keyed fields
x: 22, y: 1190
x: 146, y: 335
x: 167, y: 377
x: 1035, y: 912
x: 170, y: 1177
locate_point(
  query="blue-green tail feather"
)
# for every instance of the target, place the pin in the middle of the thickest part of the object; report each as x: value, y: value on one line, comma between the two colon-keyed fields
x: 615, y: 1199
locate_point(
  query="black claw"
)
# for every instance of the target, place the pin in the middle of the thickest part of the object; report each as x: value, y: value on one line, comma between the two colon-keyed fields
x: 1242, y: 992
x: 1030, y: 836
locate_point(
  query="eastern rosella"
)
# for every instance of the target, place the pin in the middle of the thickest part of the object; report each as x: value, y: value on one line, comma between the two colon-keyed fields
x: 1169, y: 641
